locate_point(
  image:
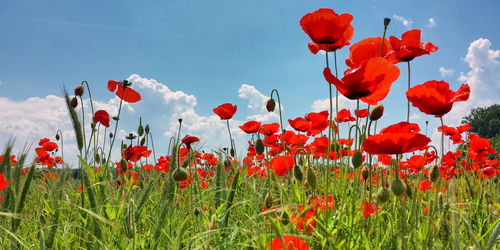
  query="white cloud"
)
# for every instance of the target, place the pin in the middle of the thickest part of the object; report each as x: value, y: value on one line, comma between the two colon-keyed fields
x: 446, y: 72
x: 324, y: 104
x: 407, y: 22
x: 431, y: 23
x: 483, y: 79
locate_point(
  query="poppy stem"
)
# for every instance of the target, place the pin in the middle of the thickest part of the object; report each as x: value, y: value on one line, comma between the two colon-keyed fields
x: 408, y: 101
x: 327, y: 177
x: 59, y: 132
x: 230, y: 138
x: 116, y: 128
x: 281, y: 128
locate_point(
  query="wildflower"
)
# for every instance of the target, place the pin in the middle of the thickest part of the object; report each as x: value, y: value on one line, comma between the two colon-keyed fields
x: 409, y: 47
x: 102, y: 117
x: 124, y: 91
x: 324, y: 26
x: 225, y: 111
x: 399, y: 138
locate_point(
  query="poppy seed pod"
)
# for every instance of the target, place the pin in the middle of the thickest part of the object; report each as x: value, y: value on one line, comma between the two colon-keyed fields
x: 398, y: 187
x: 434, y: 173
x: 386, y: 22
x: 74, y: 102
x: 271, y: 104
x: 79, y: 90
x: 259, y: 146
x: 377, y: 112
x: 285, y: 218
x: 382, y: 195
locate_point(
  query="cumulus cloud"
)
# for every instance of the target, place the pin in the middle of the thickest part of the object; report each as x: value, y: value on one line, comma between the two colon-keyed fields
x: 483, y: 79
x: 257, y: 104
x: 407, y: 22
x: 431, y: 23
x: 324, y: 104
x: 446, y: 72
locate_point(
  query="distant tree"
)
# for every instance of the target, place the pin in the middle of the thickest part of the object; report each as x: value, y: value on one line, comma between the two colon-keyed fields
x: 484, y: 121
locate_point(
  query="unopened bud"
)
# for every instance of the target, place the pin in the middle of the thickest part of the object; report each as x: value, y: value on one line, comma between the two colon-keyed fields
x: 259, y: 146
x: 143, y: 141
x: 58, y: 137
x: 231, y: 152
x: 116, y: 118
x: 180, y: 174
x: 434, y: 173
x: 146, y: 129
x: 382, y: 195
x: 110, y: 135
x: 365, y: 172
x: 140, y: 130
x: 335, y: 146
x: 227, y: 163
x: 377, y: 112
x: 271, y: 104
x: 73, y: 102
x: 386, y: 22
x: 409, y: 191
x: 285, y: 218
x: 97, y: 158
x: 311, y: 178
x: 123, y: 165
x: 297, y: 172
x: 398, y: 187
x: 79, y: 90
x: 357, y: 159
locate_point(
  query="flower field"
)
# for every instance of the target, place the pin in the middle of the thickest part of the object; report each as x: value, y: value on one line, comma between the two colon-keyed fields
x: 335, y: 180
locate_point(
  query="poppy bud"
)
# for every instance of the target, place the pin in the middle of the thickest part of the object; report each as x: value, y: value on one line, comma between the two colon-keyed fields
x: 259, y: 146
x: 92, y: 125
x: 140, y: 130
x: 143, y: 141
x: 409, y: 191
x: 377, y: 112
x: 110, y: 135
x: 180, y: 174
x: 79, y: 90
x: 441, y: 201
x: 73, y: 102
x: 301, y: 161
x: 365, y: 172
x: 103, y: 161
x: 357, y: 159
x: 311, y: 178
x: 268, y: 201
x: 116, y: 118
x: 196, y: 212
x: 297, y: 172
x: 398, y: 187
x: 57, y: 137
x: 382, y: 195
x: 97, y: 158
x: 386, y: 22
x: 285, y: 218
x: 227, y: 163
x: 335, y: 146
x: 231, y: 152
x: 146, y: 129
x: 271, y: 104
x: 124, y: 146
x: 123, y: 165
x: 434, y: 173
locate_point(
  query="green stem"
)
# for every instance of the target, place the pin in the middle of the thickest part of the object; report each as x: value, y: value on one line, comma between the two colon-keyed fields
x: 408, y: 101
x: 114, y: 134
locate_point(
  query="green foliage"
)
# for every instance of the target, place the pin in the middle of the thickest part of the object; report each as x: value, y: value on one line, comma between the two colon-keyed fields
x: 484, y: 121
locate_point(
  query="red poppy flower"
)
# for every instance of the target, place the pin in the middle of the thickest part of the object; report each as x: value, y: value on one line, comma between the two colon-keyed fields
x: 135, y: 153
x: 250, y: 127
x: 124, y: 91
x: 409, y: 47
x: 319, y: 122
x: 370, y: 82
x: 362, y: 113
x: 435, y: 97
x: 269, y: 129
x: 49, y: 146
x: 43, y: 141
x: 189, y: 139
x: 289, y: 243
x: 399, y: 138
x: 324, y: 26
x: 103, y: 117
x: 479, y: 147
x: 225, y: 111
x: 449, y: 131
x: 344, y: 116
x: 368, y: 210
x: 300, y: 124
x: 366, y: 49
x: 279, y: 164
x: 3, y: 182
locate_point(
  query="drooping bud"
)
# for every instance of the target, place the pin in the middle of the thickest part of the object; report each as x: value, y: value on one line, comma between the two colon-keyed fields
x: 271, y: 104
x: 268, y: 201
x: 398, y: 187
x: 365, y: 172
x: 311, y: 178
x: 386, y: 22
x: 377, y: 112
x: 259, y: 146
x: 357, y: 159
x: 297, y: 172
x: 383, y: 195
x: 434, y: 173
x: 123, y: 165
x: 74, y: 102
x: 58, y: 137
x: 110, y: 135
x: 97, y: 158
x: 79, y: 90
x: 180, y: 174
x: 335, y: 146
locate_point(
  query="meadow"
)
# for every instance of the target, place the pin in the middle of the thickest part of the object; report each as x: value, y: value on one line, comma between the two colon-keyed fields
x: 313, y: 187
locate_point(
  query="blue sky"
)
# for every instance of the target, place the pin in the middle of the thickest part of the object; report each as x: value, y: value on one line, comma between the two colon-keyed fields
x: 204, y: 51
